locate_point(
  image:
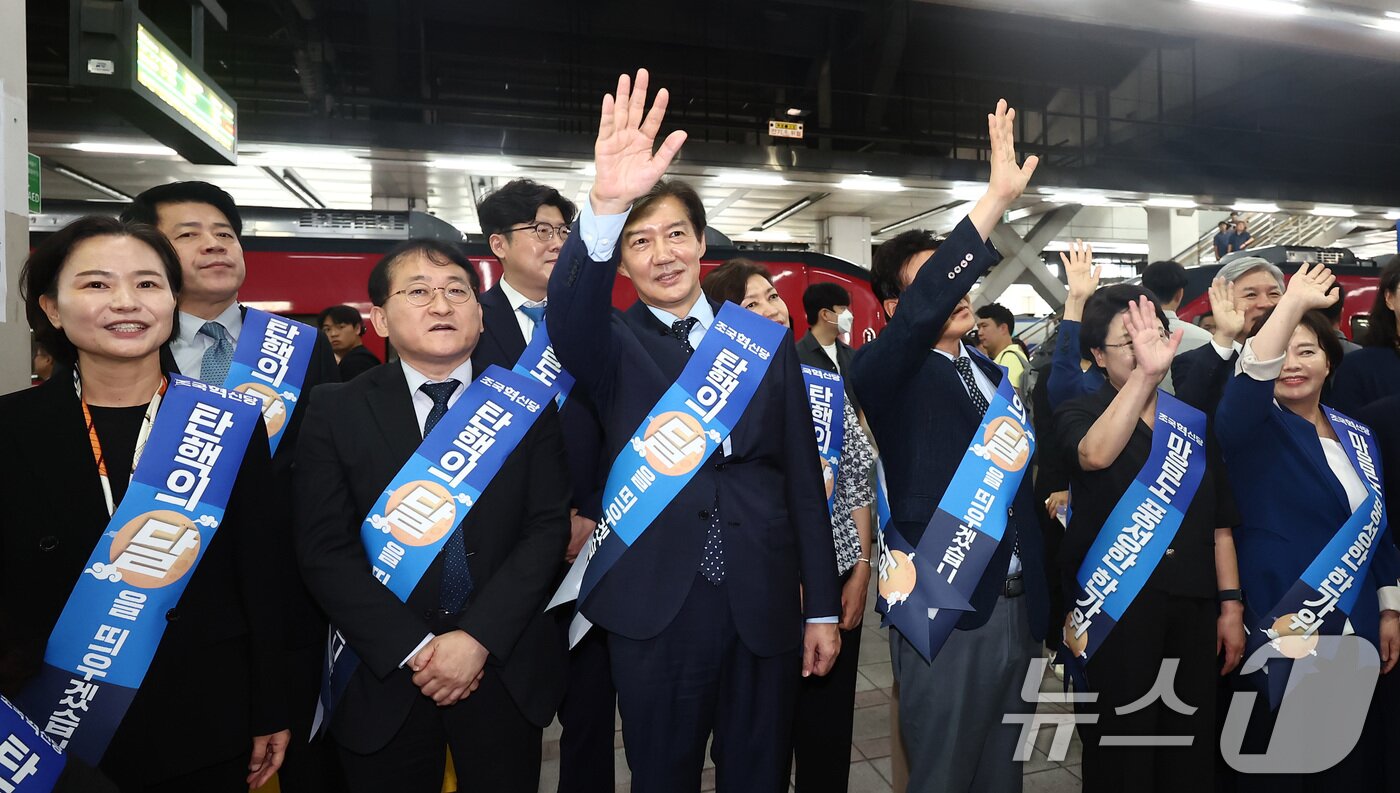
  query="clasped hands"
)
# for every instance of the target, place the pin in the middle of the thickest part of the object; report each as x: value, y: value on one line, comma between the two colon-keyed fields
x: 449, y: 668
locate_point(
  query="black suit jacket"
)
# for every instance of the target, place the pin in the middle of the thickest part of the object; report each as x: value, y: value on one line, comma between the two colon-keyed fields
x: 355, y: 363
x: 218, y: 677
x: 774, y: 522
x: 922, y: 418
x: 1383, y: 416
x: 502, y: 344
x: 1199, y: 377
x: 356, y: 437
x: 810, y: 352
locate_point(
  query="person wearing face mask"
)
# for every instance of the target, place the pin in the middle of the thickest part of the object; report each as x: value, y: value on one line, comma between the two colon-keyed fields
x: 1241, y: 293
x: 829, y: 318
x: 825, y: 716
x: 1304, y: 490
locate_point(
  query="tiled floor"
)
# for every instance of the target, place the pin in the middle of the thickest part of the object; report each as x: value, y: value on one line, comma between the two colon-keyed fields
x: 870, y: 746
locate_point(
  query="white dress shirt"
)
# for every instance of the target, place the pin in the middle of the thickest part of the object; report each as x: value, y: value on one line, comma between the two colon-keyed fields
x: 516, y: 300
x: 189, y: 346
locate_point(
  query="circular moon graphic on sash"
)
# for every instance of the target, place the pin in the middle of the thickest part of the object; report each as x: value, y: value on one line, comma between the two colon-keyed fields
x: 1006, y: 435
x: 675, y: 443
x: 828, y: 478
x: 1291, y: 642
x: 274, y: 408
x: 421, y: 513
x: 155, y: 548
x: 898, y: 579
x: 1076, y: 644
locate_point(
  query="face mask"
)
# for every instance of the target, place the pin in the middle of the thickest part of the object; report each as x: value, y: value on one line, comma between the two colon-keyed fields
x: 844, y: 321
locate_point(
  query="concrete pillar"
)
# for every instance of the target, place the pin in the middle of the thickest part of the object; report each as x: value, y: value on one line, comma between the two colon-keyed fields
x: 847, y: 238
x: 1169, y: 232
x: 14, y: 195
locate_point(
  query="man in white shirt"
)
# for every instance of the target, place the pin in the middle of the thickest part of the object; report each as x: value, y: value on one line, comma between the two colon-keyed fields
x: 829, y: 317
x: 1241, y: 293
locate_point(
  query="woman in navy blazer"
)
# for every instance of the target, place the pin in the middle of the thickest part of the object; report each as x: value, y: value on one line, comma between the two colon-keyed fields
x: 1291, y: 497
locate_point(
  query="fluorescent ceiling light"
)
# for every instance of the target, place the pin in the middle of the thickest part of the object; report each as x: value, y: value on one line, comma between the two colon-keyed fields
x: 968, y: 191
x: 872, y: 184
x: 1388, y: 25
x: 1255, y: 206
x: 116, y: 147
x: 1274, y: 8
x: 921, y: 216
x: 84, y: 179
x: 306, y: 157
x: 476, y: 164
x: 1083, y: 197
x: 589, y: 170
x: 1393, y: 14
x: 1393, y: 214
x: 1334, y: 212
x: 751, y: 178
x: 1102, y: 247
x: 794, y: 111
x: 788, y: 211
x: 1171, y: 203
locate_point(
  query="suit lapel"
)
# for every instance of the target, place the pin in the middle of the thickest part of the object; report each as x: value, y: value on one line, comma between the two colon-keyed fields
x: 500, y: 325
x: 392, y: 408
x: 656, y: 339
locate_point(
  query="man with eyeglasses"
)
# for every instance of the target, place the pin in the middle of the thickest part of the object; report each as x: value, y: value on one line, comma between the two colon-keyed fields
x: 526, y: 224
x: 469, y: 659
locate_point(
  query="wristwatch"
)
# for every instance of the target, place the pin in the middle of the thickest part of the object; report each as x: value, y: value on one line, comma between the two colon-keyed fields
x: 1230, y: 594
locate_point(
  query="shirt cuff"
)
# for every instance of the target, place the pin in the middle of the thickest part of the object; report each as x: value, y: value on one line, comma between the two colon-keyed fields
x: 600, y: 232
x: 1224, y: 352
x: 1389, y: 597
x: 1250, y: 364
x: 417, y: 649
x: 824, y: 621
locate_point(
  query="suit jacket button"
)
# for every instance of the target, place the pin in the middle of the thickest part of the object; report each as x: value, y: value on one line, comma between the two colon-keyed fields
x: 704, y: 514
x: 48, y: 542
x: 172, y: 616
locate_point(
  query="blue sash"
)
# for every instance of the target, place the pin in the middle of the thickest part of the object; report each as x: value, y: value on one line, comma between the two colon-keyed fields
x: 419, y: 509
x: 1138, y: 531
x: 270, y: 362
x: 827, y: 399
x: 104, y: 640
x: 1321, y: 600
x: 29, y: 762
x: 690, y: 421
x: 924, y: 592
x: 540, y: 362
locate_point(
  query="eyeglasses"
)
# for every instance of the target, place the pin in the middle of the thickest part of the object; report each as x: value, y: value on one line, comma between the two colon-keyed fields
x: 423, y: 295
x: 545, y: 232
x: 1162, y: 335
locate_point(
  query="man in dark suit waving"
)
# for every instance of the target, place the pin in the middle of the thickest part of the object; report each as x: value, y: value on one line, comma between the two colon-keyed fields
x: 925, y: 395
x: 705, y: 609
x: 470, y: 660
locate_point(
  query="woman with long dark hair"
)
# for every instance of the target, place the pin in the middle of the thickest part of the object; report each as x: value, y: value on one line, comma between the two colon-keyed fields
x: 1373, y: 372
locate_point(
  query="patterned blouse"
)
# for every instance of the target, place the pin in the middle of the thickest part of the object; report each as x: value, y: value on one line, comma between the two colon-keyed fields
x: 853, y: 491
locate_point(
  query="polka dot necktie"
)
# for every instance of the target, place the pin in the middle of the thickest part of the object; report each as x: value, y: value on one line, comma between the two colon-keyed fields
x: 535, y: 313
x: 213, y: 367
x: 712, y: 559
x: 680, y: 331
x: 456, y: 576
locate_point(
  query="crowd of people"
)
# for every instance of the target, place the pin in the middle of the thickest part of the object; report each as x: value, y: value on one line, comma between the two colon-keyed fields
x: 548, y: 507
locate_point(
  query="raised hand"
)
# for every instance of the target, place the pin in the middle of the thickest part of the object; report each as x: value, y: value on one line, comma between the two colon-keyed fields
x: 622, y: 155
x: 1008, y: 179
x: 1080, y: 270
x: 1313, y: 286
x: 1229, y: 319
x: 1152, y: 348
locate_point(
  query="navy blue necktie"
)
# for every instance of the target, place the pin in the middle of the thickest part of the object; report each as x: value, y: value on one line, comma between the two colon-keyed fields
x: 712, y: 560
x: 535, y: 313
x: 456, y: 576
x: 680, y: 331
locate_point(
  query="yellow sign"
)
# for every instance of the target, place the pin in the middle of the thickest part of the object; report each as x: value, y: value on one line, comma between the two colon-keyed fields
x: 785, y: 129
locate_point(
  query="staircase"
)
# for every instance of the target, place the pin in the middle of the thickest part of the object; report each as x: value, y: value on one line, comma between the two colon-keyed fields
x: 1266, y: 229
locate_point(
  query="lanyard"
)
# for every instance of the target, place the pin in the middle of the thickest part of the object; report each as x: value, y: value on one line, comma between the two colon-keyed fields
x: 96, y: 442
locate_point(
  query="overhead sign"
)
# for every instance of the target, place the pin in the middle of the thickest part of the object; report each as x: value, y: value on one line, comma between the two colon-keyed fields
x: 785, y: 129
x: 165, y: 79
x: 35, y: 182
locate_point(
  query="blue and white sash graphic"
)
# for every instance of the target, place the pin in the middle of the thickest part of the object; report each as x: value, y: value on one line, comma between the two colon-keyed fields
x: 29, y: 761
x: 433, y: 492
x: 827, y: 399
x: 109, y: 630
x: 1138, y: 531
x: 924, y: 591
x: 680, y: 432
x: 539, y: 361
x: 1322, y: 599
x: 270, y: 363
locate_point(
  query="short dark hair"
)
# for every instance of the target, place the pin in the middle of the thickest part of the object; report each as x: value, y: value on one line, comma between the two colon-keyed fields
x: 1383, y: 332
x: 1100, y: 309
x: 517, y: 202
x: 888, y: 262
x: 1334, y: 311
x: 670, y: 188
x: 341, y: 315
x: 1164, y: 279
x: 730, y: 280
x: 1321, y: 327
x: 1225, y: 223
x: 823, y: 295
x: 40, y: 274
x: 998, y: 314
x: 145, y: 207
x: 436, y: 251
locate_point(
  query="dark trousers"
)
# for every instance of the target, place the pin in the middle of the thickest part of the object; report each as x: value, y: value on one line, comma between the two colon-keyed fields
x: 310, y: 766
x: 821, y: 734
x: 230, y: 776
x: 494, y: 748
x: 588, y: 716
x: 1124, y: 671
x: 697, y: 677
